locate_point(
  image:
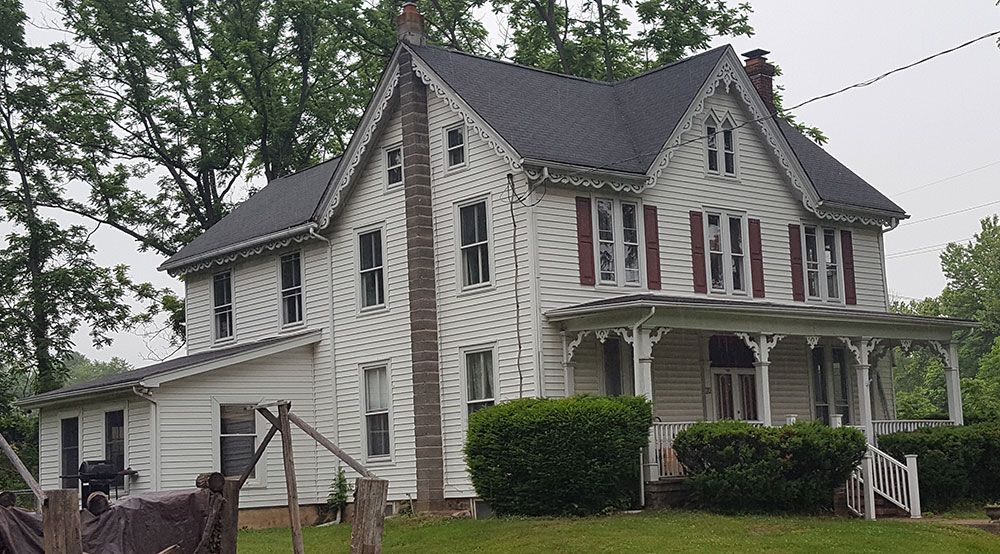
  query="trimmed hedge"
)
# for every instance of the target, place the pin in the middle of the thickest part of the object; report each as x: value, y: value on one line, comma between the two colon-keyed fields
x: 954, y: 463
x: 736, y: 467
x: 567, y: 456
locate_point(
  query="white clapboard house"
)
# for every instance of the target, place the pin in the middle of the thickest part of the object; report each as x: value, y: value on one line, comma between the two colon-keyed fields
x: 494, y: 231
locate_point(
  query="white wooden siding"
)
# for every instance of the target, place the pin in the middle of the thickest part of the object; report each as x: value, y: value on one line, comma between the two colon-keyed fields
x: 485, y: 316
x: 138, y: 455
x: 381, y: 336
x: 189, y: 427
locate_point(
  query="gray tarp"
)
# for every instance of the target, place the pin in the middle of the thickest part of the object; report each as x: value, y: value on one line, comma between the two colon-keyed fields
x: 141, y: 524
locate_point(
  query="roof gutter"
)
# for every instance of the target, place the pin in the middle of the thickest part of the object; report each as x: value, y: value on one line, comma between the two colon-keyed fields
x: 302, y: 229
x: 34, y: 402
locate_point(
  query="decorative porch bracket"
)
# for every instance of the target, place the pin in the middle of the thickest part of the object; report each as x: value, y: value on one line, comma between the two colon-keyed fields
x: 761, y: 344
x: 642, y: 341
x: 952, y: 379
x: 862, y: 349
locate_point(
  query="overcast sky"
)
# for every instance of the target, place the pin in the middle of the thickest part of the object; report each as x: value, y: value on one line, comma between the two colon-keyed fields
x: 925, y: 125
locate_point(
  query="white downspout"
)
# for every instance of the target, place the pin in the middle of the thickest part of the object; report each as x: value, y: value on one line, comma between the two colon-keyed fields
x: 154, y: 438
x: 333, y: 365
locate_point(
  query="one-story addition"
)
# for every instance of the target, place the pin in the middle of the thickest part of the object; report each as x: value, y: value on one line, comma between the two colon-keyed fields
x: 492, y: 232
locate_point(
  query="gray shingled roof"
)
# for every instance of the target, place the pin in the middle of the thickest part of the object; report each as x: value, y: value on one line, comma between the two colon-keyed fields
x: 548, y: 117
x: 283, y: 204
x: 620, y: 126
x: 134, y: 377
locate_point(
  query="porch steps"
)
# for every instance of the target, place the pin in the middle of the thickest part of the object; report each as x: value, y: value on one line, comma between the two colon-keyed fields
x: 883, y: 507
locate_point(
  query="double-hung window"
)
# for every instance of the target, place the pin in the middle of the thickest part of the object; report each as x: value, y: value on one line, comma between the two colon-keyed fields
x: 479, y: 379
x: 69, y: 446
x: 394, y: 166
x: 114, y: 442
x: 237, y: 438
x: 222, y: 300
x: 372, y: 269
x: 618, y: 242
x: 377, y: 410
x: 727, y: 247
x: 717, y: 136
x: 455, y: 146
x: 291, y: 289
x: 822, y: 263
x: 475, y: 245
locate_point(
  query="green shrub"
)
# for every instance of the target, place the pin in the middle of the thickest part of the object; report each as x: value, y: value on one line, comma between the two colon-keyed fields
x: 954, y: 463
x: 736, y: 467
x: 568, y: 456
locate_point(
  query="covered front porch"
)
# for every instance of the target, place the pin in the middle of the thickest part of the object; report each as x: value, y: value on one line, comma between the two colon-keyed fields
x: 707, y: 359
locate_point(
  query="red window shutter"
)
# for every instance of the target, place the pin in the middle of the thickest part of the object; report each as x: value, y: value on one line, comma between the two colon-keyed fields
x: 698, y: 252
x: 652, y: 247
x: 847, y: 251
x: 756, y: 259
x: 585, y: 240
x: 795, y: 249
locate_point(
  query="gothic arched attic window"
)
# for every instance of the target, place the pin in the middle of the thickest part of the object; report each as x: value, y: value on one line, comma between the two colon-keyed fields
x: 720, y: 138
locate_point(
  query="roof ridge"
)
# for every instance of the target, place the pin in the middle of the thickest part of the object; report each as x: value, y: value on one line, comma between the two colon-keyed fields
x: 307, y: 168
x: 671, y: 64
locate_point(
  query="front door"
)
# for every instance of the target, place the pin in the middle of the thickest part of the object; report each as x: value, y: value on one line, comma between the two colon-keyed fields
x: 618, y: 378
x: 735, y: 392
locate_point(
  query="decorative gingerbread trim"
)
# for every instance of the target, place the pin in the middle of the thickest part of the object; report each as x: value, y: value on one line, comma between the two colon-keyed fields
x: 582, y: 178
x: 863, y: 349
x: 761, y: 349
x: 233, y: 256
x: 456, y: 104
x: 812, y: 341
x: 655, y: 337
x: 347, y: 176
x: 571, y: 346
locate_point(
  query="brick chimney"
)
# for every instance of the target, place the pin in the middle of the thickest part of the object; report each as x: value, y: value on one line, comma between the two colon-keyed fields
x: 760, y: 73
x: 410, y: 25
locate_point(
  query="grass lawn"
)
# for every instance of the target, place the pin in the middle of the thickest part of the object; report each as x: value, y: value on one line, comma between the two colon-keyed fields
x: 670, y: 531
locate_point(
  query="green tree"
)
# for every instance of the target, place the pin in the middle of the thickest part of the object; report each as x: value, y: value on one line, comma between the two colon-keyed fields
x: 50, y: 285
x: 81, y: 369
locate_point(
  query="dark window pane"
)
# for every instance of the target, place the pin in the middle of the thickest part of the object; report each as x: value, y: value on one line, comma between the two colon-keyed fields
x: 612, y: 367
x: 468, y: 223
x: 738, y: 269
x: 237, y: 452
x: 718, y: 278
x: 70, y: 446
x: 114, y: 441
x: 235, y: 420
x: 479, y: 368
x: 456, y: 137
x: 730, y: 160
x: 291, y: 271
x: 395, y: 175
x: 223, y: 289
x: 727, y: 140
x: 378, y: 434
x: 736, y: 235
x: 748, y: 403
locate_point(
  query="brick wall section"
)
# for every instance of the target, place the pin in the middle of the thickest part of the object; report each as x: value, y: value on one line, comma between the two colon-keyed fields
x: 423, y: 296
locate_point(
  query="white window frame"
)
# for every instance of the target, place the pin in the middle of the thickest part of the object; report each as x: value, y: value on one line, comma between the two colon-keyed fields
x: 60, y: 416
x: 460, y: 249
x: 727, y: 251
x: 363, y: 384
x: 721, y: 124
x: 216, y: 339
x: 446, y: 149
x: 122, y: 407
x: 386, y: 167
x: 822, y: 267
x: 464, y: 352
x: 259, y: 480
x: 359, y: 281
x: 618, y: 240
x: 282, y: 292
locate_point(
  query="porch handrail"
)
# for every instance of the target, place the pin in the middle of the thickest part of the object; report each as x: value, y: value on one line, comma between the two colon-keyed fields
x: 879, y: 473
x: 661, y: 441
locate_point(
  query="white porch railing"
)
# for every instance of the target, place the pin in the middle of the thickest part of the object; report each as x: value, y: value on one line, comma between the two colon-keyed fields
x: 880, y: 473
x: 886, y: 426
x: 662, y: 442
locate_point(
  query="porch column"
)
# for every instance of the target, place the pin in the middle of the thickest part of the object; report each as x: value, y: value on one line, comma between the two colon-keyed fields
x: 953, y: 382
x: 862, y: 349
x: 761, y: 345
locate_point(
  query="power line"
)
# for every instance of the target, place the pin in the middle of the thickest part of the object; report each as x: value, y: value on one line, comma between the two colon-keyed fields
x: 921, y: 187
x: 956, y: 212
x: 860, y: 84
x: 922, y: 249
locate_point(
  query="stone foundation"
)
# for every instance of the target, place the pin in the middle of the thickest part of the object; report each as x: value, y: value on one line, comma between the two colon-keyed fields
x: 669, y: 492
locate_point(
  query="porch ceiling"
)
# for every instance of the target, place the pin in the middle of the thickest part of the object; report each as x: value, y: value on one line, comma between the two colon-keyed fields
x: 710, y: 314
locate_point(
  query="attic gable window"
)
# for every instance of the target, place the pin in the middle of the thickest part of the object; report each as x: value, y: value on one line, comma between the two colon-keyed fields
x: 222, y: 302
x: 394, y: 166
x: 455, y: 146
x: 720, y: 145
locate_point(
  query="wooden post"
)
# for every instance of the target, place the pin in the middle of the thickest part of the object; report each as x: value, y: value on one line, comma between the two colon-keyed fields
x: 214, y: 481
x: 293, y: 495
x: 913, y: 483
x: 230, y: 516
x: 326, y: 443
x: 370, y: 494
x: 257, y: 455
x: 21, y: 469
x: 61, y: 522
